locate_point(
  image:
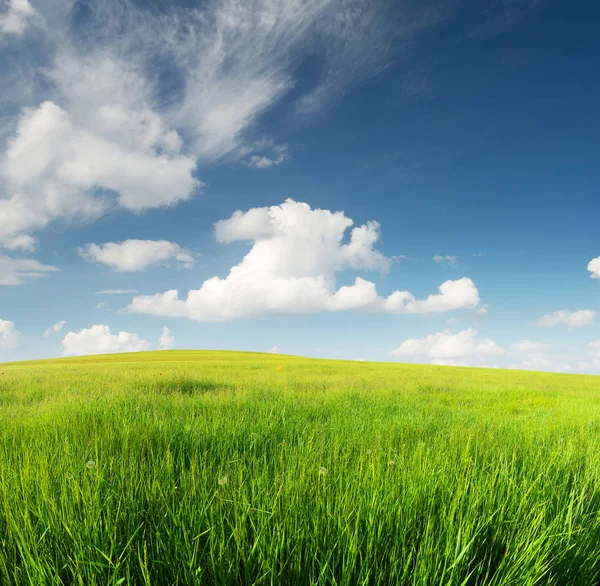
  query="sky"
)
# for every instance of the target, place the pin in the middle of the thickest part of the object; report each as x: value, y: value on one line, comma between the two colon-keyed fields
x: 382, y: 180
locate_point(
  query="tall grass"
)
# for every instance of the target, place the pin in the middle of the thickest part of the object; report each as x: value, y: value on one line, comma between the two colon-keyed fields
x: 236, y: 468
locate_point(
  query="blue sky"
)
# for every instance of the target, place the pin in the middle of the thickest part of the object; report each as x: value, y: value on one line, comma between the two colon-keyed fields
x: 227, y: 150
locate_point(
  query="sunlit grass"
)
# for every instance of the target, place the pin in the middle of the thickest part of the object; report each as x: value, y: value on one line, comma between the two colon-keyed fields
x: 241, y: 468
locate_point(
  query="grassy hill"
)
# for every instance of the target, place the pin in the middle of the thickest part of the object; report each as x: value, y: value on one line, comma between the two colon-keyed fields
x: 189, y: 467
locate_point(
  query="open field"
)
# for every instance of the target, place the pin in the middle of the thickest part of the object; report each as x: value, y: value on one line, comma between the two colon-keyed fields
x: 238, y: 468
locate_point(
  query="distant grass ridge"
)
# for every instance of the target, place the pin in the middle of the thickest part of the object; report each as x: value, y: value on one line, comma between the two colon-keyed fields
x: 190, y: 467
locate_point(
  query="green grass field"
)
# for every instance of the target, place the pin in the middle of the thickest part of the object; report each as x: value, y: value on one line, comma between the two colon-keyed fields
x: 238, y: 468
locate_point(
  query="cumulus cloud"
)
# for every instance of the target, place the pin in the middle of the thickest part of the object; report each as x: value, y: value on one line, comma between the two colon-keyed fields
x: 15, y: 17
x: 447, y: 259
x: 62, y: 164
x: 15, y: 271
x: 291, y: 268
x: 99, y: 340
x: 452, y: 295
x: 275, y: 350
x: 461, y: 349
x: 594, y: 268
x: 94, y: 144
x: 572, y: 319
x: 54, y: 329
x: 122, y: 102
x: 9, y: 335
x: 166, y: 340
x: 102, y: 129
x: 136, y: 255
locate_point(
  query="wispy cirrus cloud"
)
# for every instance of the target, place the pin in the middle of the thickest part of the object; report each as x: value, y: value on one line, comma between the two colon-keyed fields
x: 54, y: 329
x: 116, y: 291
x: 447, y: 259
x: 400, y: 258
x: 16, y: 271
x: 126, y: 103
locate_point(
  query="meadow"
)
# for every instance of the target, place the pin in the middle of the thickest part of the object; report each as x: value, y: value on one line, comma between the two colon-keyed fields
x: 223, y: 468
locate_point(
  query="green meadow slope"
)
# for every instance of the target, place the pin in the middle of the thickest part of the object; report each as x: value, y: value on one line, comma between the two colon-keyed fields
x: 188, y: 467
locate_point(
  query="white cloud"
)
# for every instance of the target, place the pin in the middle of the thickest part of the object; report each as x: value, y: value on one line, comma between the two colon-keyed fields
x: 529, y: 347
x: 166, y: 340
x: 9, y: 335
x: 592, y: 364
x: 291, y: 268
x: 460, y: 349
x: 465, y: 348
x: 100, y: 129
x: 15, y: 271
x: 594, y: 268
x: 255, y: 224
x: 240, y: 58
x: 64, y: 165
x: 15, y: 17
x: 447, y: 259
x: 360, y: 36
x: 262, y: 162
x: 399, y: 258
x: 532, y: 355
x: 136, y: 255
x: 535, y: 363
x: 572, y: 319
x: 279, y: 154
x: 99, y: 340
x: 55, y: 328
x: 275, y: 350
x: 116, y: 291
x: 452, y: 295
